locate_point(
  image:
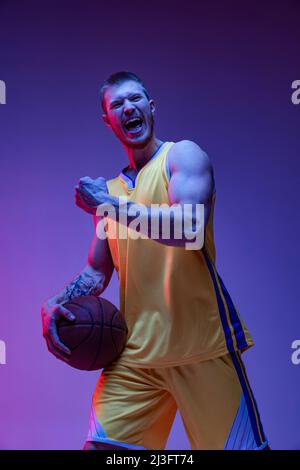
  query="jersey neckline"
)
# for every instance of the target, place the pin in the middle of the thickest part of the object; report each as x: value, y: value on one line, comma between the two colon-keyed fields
x: 130, y: 182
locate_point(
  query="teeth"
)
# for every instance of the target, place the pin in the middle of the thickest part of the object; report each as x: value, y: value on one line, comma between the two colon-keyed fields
x: 132, y: 120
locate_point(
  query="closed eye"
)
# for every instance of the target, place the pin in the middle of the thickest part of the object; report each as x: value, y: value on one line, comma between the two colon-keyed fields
x: 115, y: 105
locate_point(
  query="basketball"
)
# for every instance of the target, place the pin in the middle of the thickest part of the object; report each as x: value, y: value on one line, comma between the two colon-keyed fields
x: 98, y: 334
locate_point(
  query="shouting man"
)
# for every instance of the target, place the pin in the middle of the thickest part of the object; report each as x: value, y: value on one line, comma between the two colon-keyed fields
x: 185, y: 335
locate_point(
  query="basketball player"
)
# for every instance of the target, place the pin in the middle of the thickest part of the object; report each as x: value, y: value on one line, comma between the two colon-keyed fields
x: 185, y: 335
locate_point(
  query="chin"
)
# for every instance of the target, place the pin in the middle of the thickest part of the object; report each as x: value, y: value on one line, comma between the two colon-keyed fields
x: 139, y: 142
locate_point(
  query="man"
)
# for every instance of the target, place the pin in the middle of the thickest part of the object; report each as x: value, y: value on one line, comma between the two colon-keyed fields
x: 185, y: 336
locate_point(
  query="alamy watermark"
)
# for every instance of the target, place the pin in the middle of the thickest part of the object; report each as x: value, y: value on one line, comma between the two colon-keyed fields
x: 295, y: 97
x: 2, y: 352
x: 295, y: 357
x: 2, y: 92
x: 157, y: 221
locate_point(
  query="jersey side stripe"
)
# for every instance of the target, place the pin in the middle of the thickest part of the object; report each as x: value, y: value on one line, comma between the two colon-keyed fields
x: 250, y: 400
x: 234, y: 333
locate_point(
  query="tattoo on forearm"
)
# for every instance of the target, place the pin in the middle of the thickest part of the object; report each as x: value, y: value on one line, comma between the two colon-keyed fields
x: 84, y: 284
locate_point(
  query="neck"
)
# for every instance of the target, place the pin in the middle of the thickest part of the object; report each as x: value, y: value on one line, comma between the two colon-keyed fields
x: 138, y: 157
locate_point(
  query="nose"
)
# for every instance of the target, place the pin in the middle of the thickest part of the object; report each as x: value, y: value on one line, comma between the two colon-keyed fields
x: 128, y: 107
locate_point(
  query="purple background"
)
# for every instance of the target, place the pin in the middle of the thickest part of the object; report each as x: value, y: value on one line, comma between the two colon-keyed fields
x: 220, y: 75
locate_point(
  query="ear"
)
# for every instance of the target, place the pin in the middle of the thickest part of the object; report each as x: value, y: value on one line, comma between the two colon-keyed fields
x: 152, y: 106
x: 106, y: 120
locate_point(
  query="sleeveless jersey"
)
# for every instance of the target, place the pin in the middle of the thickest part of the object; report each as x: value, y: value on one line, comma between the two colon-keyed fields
x: 176, y: 305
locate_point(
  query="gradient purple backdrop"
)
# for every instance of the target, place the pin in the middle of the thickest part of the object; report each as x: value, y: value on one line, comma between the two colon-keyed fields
x: 221, y: 75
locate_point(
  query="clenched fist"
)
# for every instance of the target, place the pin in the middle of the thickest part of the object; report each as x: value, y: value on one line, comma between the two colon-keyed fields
x: 90, y: 193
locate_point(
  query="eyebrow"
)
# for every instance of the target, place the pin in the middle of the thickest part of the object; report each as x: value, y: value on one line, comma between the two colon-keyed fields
x: 130, y: 95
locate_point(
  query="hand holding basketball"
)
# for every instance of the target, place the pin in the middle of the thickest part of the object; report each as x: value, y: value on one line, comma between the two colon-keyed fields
x: 93, y: 339
x: 51, y: 315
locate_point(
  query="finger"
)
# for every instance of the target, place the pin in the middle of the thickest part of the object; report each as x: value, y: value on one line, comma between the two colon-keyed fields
x: 84, y: 180
x: 78, y: 196
x: 59, y: 347
x: 85, y: 208
x: 65, y: 313
x: 55, y: 352
x: 81, y: 192
x: 91, y: 210
x: 56, y: 340
x: 81, y: 205
x: 51, y: 348
x: 84, y: 190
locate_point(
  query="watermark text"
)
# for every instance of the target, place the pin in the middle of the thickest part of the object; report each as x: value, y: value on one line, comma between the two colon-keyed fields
x: 2, y: 352
x: 296, y: 94
x: 2, y: 92
x: 295, y: 358
x: 157, y: 221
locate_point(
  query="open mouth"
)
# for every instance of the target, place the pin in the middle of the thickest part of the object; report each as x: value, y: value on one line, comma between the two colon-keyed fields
x: 133, y: 125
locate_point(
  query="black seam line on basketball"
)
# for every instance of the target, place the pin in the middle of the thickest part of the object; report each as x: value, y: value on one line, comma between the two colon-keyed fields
x: 111, y: 333
x: 87, y: 337
x: 91, y: 318
x: 100, y: 344
x: 91, y: 335
x: 82, y: 306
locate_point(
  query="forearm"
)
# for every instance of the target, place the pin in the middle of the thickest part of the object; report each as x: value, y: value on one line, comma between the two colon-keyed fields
x: 88, y: 282
x: 176, y: 225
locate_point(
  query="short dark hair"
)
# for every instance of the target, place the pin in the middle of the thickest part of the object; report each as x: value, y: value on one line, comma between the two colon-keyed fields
x: 118, y: 78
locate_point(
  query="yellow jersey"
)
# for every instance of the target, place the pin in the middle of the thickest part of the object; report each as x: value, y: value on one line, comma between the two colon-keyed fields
x: 175, y: 304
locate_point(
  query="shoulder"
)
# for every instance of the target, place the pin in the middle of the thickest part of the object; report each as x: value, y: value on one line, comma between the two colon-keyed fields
x: 186, y: 155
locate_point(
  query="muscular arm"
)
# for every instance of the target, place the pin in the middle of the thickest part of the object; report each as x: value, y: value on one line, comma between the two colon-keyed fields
x: 92, y: 280
x: 191, y: 182
x: 192, y: 178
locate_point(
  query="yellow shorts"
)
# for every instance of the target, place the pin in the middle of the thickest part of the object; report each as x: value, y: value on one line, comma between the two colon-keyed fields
x: 135, y: 407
